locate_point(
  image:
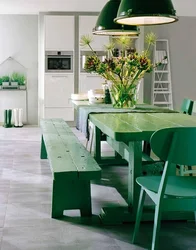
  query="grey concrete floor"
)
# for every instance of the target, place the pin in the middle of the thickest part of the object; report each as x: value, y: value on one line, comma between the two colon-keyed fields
x: 25, y: 203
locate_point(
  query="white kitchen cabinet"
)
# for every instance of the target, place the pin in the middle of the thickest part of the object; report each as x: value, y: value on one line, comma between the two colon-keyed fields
x: 86, y: 24
x: 90, y: 81
x: 59, y: 112
x: 57, y: 93
x: 59, y: 33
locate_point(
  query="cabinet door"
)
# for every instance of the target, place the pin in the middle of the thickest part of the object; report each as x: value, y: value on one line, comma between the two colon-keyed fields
x: 65, y: 113
x: 59, y: 32
x: 58, y: 90
x: 86, y: 25
x: 90, y: 81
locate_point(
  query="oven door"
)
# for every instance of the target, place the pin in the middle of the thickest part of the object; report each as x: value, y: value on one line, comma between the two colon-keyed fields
x: 56, y: 63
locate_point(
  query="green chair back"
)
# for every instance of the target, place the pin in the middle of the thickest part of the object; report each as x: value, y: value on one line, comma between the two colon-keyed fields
x: 169, y: 192
x: 164, y: 141
x: 187, y: 106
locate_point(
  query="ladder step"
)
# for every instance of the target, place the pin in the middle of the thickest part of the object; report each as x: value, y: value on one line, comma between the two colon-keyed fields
x: 161, y: 89
x: 162, y: 103
x: 162, y: 92
x: 161, y: 71
x: 161, y: 82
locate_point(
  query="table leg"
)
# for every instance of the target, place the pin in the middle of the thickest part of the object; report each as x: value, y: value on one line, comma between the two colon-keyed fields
x: 135, y: 170
x: 106, y: 160
x: 97, y: 153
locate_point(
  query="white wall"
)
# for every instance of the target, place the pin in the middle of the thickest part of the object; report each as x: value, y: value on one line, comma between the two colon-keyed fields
x: 182, y: 46
x: 19, y: 40
x: 183, y: 7
x: 36, y: 6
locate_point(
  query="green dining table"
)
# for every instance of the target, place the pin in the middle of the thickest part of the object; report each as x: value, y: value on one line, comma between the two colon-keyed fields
x: 125, y: 133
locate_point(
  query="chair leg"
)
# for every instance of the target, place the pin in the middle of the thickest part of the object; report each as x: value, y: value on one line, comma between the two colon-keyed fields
x: 139, y: 214
x: 89, y: 141
x: 86, y: 144
x: 92, y: 138
x: 146, y: 148
x: 181, y: 170
x: 156, y: 228
x: 190, y: 169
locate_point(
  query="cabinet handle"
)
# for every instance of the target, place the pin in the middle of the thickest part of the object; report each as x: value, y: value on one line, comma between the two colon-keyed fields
x: 59, y: 76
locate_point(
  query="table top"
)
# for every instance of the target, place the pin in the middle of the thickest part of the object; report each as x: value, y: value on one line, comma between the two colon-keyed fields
x: 138, y: 126
x: 84, y: 109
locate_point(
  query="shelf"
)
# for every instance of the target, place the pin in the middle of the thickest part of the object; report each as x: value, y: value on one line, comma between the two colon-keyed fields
x: 10, y: 89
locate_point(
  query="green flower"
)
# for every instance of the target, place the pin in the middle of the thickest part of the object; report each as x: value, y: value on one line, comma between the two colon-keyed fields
x: 151, y: 38
x: 110, y: 47
x: 124, y: 41
x: 86, y: 40
x: 91, y: 64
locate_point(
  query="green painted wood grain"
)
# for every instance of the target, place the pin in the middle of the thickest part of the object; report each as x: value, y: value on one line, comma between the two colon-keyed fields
x: 138, y: 126
x: 68, y: 157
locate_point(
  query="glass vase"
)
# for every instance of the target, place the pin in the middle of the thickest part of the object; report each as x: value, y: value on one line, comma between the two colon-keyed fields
x: 123, y: 97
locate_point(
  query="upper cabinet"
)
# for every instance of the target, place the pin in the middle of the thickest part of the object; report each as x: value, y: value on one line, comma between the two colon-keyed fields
x: 59, y: 33
x: 86, y: 24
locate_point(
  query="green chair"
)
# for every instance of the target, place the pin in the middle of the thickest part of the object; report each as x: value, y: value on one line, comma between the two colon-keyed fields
x: 187, y: 106
x: 169, y: 192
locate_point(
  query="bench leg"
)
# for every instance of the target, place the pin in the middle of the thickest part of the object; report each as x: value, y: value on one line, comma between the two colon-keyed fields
x: 43, y: 153
x: 68, y: 195
x: 85, y: 193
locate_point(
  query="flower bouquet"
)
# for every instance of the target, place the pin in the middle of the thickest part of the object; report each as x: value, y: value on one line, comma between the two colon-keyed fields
x: 124, y: 72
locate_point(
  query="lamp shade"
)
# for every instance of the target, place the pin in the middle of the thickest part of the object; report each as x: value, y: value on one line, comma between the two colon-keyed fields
x: 146, y: 12
x: 105, y: 24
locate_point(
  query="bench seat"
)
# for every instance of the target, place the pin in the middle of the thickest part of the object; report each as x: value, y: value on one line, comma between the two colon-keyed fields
x: 72, y: 167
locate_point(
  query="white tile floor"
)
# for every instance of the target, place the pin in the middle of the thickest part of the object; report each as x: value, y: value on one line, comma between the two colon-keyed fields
x: 25, y: 202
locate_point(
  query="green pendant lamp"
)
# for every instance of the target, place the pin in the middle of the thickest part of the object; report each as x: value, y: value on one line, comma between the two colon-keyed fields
x: 105, y: 23
x: 146, y: 12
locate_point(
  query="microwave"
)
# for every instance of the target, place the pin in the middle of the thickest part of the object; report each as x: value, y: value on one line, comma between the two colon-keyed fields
x: 59, y: 61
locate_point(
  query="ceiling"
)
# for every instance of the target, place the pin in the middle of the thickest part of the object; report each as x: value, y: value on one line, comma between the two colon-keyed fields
x: 183, y: 7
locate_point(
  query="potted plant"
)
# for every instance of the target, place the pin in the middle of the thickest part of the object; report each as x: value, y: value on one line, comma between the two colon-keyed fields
x: 5, y: 81
x: 14, y: 79
x: 20, y: 79
x: 123, y: 72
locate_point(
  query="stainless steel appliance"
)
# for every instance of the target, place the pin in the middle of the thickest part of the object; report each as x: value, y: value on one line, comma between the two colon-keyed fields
x: 84, y: 54
x: 59, y: 61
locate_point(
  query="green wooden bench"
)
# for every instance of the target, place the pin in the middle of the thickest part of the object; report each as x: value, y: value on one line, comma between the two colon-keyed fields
x: 72, y: 167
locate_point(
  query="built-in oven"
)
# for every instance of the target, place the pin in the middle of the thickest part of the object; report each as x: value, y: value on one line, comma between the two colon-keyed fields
x: 84, y: 54
x: 59, y: 61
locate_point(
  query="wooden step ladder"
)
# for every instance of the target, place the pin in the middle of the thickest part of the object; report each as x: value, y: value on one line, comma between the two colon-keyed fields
x: 162, y: 87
